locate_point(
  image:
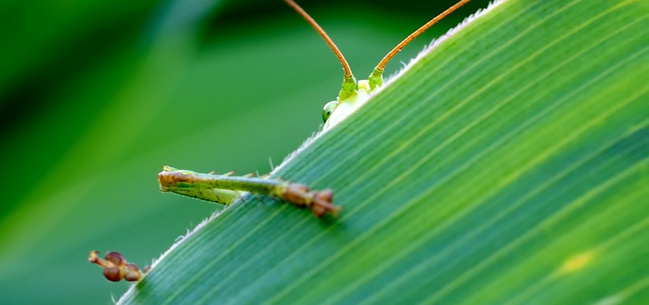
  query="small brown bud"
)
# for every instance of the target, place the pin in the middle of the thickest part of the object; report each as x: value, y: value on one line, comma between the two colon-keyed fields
x: 116, y: 267
x: 115, y: 258
x: 113, y: 274
x: 133, y: 273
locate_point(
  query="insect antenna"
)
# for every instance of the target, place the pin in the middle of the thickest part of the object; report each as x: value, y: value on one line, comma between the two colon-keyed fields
x: 349, y: 83
x: 376, y: 78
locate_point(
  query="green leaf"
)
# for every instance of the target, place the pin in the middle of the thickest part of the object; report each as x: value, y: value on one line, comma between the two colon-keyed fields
x: 83, y: 152
x: 508, y: 164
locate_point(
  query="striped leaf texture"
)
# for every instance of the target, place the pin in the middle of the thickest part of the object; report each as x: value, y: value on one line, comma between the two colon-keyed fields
x: 509, y: 164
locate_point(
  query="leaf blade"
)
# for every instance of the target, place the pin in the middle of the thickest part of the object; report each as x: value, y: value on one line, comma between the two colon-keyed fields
x: 495, y: 141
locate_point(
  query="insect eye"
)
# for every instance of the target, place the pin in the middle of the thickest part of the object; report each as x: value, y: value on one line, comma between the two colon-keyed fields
x: 328, y: 110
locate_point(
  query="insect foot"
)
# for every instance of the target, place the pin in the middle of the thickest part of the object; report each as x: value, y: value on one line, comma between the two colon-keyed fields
x: 117, y: 268
x: 320, y: 202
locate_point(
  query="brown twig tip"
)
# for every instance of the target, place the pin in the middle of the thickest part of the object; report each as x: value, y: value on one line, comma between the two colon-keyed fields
x: 116, y: 267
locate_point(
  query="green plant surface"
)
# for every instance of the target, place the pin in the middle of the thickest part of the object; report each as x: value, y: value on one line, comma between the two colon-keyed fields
x: 509, y: 165
x: 97, y: 96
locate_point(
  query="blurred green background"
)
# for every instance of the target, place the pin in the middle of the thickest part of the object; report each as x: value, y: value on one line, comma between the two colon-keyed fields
x: 95, y: 96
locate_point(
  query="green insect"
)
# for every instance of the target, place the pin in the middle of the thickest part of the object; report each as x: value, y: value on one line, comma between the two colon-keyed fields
x: 355, y: 94
x: 225, y: 189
